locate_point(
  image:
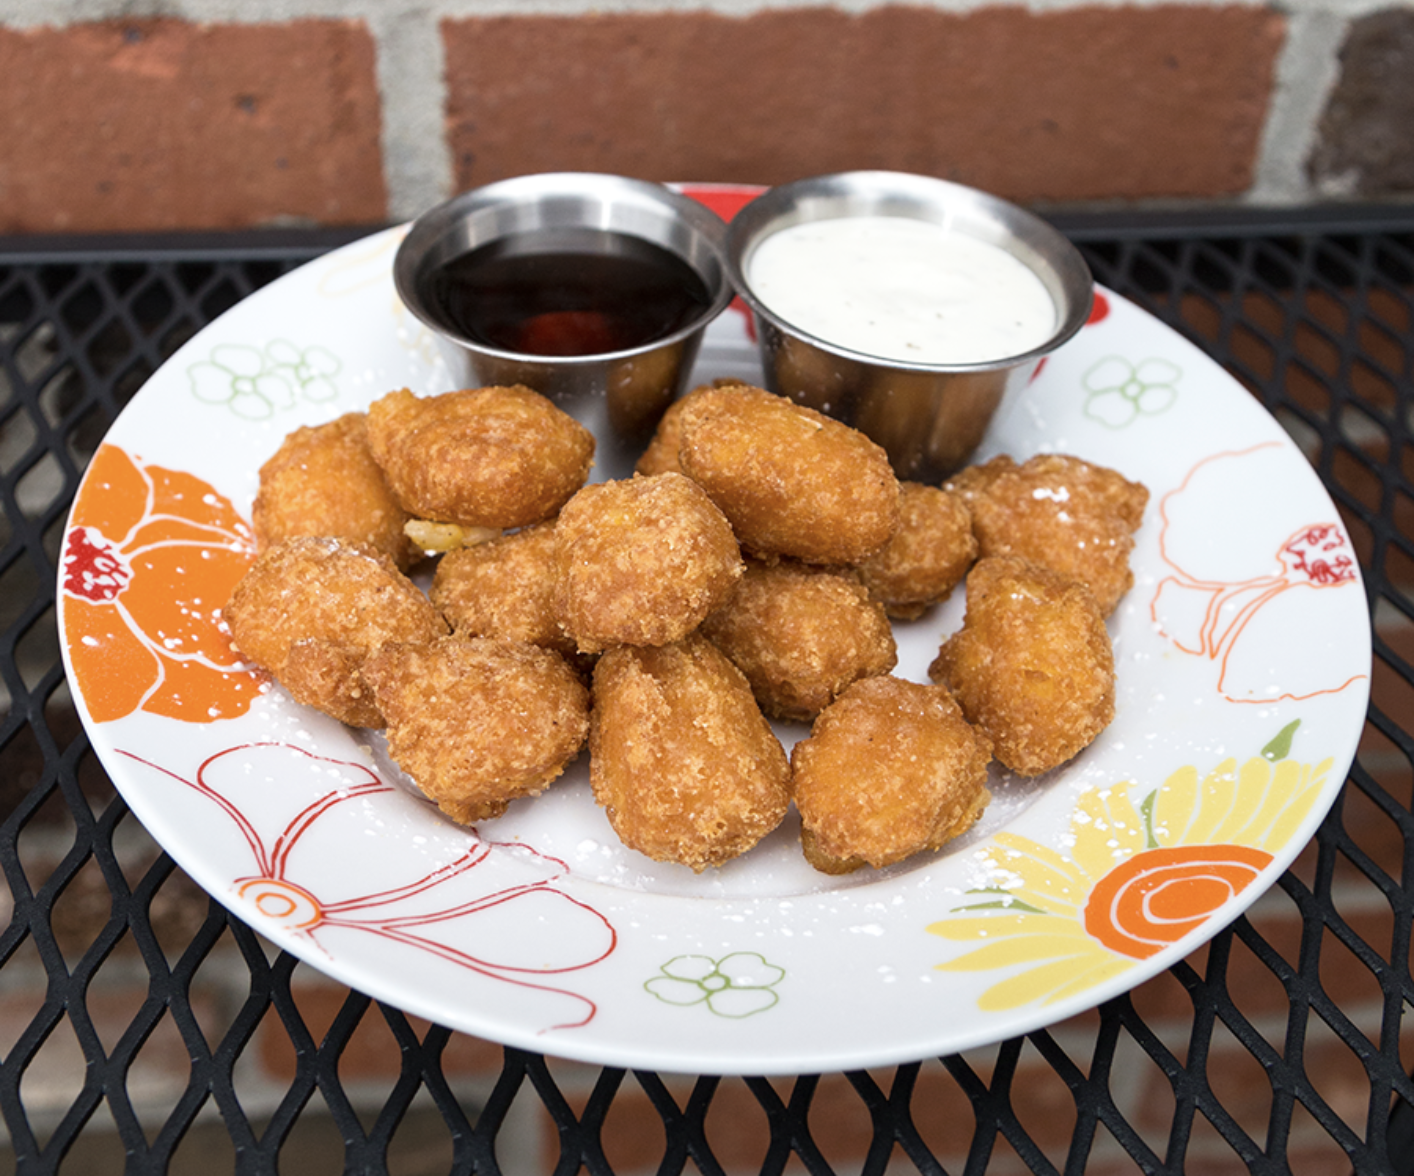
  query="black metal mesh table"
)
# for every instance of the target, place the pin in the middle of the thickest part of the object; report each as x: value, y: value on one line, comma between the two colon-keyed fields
x: 1276, y: 1048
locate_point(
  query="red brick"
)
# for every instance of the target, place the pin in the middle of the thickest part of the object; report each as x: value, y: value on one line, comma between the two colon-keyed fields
x: 1242, y: 1086
x: 1044, y: 1105
x: 162, y: 124
x: 1338, y: 1075
x: 1370, y: 827
x: 632, y: 1136
x: 372, y: 1050
x: 1393, y: 695
x: 739, y: 1134
x: 842, y: 1129
x: 55, y: 1075
x: 1364, y: 486
x: 1317, y: 1159
x: 1239, y: 1082
x: 1304, y: 867
x: 1399, y: 569
x: 1164, y: 999
x: 1062, y: 105
x: 1210, y: 1159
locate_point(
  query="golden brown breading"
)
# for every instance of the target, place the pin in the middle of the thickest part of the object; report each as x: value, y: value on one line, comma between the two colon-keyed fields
x: 928, y: 556
x: 793, y: 481
x: 482, y: 457
x: 661, y: 456
x: 504, y: 588
x: 1032, y: 665
x: 311, y: 610
x: 323, y: 481
x: 801, y: 634
x: 973, y: 480
x: 891, y: 768
x: 641, y: 561
x: 1061, y: 512
x: 478, y: 722
x: 685, y: 765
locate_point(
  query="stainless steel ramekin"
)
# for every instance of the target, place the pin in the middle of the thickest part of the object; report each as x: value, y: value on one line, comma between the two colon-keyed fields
x: 930, y: 417
x: 621, y: 394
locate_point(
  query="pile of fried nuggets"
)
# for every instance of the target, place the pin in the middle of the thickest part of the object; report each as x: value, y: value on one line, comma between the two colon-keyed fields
x: 747, y: 571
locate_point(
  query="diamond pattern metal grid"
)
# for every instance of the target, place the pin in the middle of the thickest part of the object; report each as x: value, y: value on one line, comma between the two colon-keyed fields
x: 1316, y: 319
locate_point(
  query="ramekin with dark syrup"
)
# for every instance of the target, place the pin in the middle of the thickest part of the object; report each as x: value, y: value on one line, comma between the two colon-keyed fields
x: 592, y: 289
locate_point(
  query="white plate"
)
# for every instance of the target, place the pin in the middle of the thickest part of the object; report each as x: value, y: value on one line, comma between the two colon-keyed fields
x: 1243, y: 656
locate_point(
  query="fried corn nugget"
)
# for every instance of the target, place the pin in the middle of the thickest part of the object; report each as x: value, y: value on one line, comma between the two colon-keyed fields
x: 793, y: 481
x: 323, y: 481
x: 641, y: 561
x: 801, y: 634
x: 928, y: 556
x: 891, y: 768
x: 973, y: 480
x: 478, y: 722
x: 1032, y: 665
x: 498, y: 457
x: 311, y: 610
x: 1061, y: 512
x: 680, y: 756
x: 503, y: 588
x: 661, y: 456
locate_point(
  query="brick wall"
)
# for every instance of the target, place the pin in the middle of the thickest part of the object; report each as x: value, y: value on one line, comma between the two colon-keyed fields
x: 232, y: 113
x: 252, y: 112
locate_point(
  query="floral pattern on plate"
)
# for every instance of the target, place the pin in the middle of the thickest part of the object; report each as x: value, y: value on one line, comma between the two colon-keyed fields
x: 539, y: 929
x: 1139, y: 876
x: 150, y: 558
x: 1277, y: 569
x: 292, y: 811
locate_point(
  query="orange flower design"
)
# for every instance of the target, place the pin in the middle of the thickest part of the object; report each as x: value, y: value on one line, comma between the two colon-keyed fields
x: 1138, y: 874
x: 1159, y: 895
x: 150, y: 558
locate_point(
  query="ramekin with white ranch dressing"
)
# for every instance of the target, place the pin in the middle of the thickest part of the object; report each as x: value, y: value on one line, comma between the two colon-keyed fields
x: 904, y: 305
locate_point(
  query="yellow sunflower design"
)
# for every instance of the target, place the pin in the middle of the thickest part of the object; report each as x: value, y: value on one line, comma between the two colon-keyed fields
x: 1138, y: 875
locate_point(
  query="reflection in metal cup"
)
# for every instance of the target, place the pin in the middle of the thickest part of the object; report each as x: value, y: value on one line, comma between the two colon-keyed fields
x: 618, y: 395
x: 640, y: 387
x: 929, y: 417
x: 812, y: 377
x: 930, y: 422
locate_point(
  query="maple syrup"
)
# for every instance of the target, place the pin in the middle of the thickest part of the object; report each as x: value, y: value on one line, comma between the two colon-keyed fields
x: 566, y: 292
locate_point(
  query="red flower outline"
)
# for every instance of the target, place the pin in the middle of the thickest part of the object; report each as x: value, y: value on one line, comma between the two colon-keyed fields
x: 297, y: 907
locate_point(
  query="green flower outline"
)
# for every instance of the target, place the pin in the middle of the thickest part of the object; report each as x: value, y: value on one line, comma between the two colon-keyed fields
x: 1119, y: 392
x: 255, y: 384
x: 740, y: 984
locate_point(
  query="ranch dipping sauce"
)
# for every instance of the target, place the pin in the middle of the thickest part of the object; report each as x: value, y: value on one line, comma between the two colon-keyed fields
x: 902, y: 289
